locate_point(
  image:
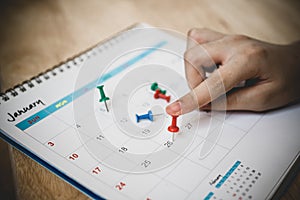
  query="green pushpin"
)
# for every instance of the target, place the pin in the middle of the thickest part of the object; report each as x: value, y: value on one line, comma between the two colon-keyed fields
x: 103, y: 96
x: 155, y: 87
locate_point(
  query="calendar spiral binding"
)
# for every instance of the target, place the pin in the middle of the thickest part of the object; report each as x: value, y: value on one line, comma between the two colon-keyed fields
x: 64, y: 66
x: 44, y: 76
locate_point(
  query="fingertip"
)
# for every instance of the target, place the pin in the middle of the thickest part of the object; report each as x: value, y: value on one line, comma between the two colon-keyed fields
x: 174, y: 108
x: 188, y: 102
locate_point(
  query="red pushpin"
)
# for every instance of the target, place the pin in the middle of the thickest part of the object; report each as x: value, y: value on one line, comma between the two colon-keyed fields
x: 173, y: 127
x: 158, y: 94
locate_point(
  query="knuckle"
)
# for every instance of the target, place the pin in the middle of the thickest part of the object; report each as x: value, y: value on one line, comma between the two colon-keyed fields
x: 256, y: 49
x: 201, y: 30
x: 196, y: 32
x: 253, y: 49
x: 192, y: 32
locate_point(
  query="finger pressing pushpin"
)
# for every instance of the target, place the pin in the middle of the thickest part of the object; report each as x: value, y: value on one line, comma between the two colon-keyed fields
x: 158, y: 94
x: 173, y: 127
x: 103, y: 96
x: 148, y: 116
x: 155, y: 87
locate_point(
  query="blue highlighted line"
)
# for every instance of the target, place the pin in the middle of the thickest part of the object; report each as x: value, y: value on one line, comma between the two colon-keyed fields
x: 209, y: 196
x: 37, y: 117
x: 226, y: 176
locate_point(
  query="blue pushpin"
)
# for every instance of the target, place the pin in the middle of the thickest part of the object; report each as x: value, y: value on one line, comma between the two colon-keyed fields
x: 149, y: 116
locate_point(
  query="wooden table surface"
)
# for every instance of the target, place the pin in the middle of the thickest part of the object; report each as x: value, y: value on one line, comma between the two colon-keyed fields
x: 36, y: 35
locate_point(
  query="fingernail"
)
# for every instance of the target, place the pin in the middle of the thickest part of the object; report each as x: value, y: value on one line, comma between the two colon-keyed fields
x: 174, y: 108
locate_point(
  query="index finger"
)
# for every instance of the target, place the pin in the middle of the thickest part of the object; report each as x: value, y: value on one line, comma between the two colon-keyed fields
x: 221, y: 81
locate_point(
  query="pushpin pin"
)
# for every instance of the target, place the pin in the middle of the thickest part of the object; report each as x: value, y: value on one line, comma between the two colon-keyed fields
x: 158, y: 94
x: 155, y: 87
x: 103, y: 96
x: 173, y: 127
x: 149, y: 116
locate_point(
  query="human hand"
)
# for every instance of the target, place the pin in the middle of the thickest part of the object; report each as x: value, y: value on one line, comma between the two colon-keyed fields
x: 271, y: 72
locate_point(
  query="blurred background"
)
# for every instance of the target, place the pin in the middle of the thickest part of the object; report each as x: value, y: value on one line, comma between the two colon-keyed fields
x: 36, y: 35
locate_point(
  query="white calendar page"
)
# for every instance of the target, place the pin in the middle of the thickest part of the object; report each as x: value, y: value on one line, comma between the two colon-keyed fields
x: 108, y: 155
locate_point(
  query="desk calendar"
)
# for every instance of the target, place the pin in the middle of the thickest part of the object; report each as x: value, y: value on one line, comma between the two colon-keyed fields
x: 56, y: 118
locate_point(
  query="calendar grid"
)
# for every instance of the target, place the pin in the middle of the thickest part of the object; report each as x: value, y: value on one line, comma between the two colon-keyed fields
x: 162, y: 179
x: 108, y: 153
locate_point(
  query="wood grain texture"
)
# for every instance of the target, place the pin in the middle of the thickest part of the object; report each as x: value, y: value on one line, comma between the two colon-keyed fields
x: 35, y: 35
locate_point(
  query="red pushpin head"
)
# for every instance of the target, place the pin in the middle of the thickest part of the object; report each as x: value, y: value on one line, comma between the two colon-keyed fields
x: 173, y: 127
x: 158, y: 94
